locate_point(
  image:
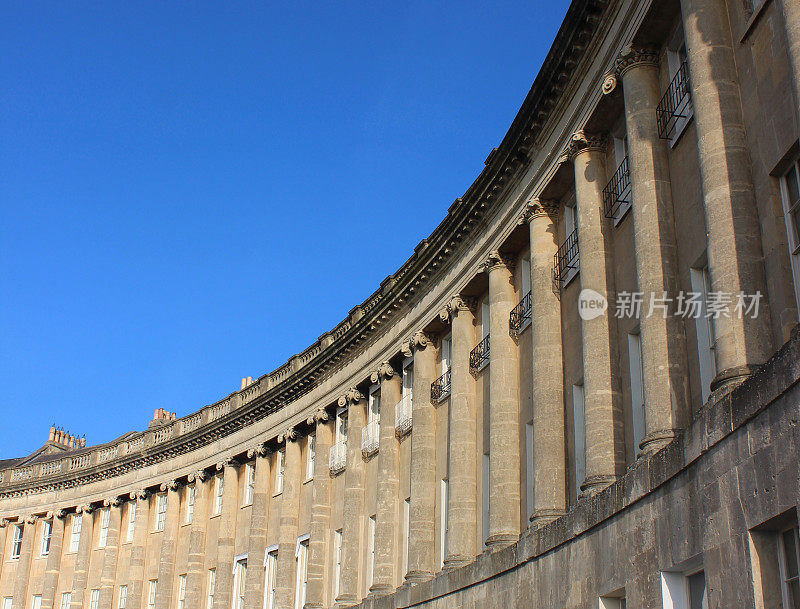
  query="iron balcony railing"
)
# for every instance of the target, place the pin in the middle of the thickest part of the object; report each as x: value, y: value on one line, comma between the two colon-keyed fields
x: 403, y: 416
x: 520, y: 315
x: 675, y: 103
x: 618, y: 190
x: 479, y: 356
x: 370, y: 438
x: 337, y: 460
x: 565, y: 259
x: 440, y: 388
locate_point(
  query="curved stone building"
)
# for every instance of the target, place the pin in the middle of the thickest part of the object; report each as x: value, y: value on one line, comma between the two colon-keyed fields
x: 483, y: 431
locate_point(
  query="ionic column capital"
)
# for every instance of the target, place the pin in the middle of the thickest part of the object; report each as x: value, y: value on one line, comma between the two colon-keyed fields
x: 320, y: 416
x: 61, y: 514
x: 581, y: 142
x: 172, y: 485
x: 496, y: 260
x: 112, y: 502
x: 420, y: 340
x: 351, y: 396
x: 384, y: 371
x: 229, y: 462
x: 86, y: 508
x: 261, y: 450
x: 460, y: 303
x: 288, y: 435
x: 31, y: 519
x: 539, y: 208
x: 4, y: 522
x: 200, y: 475
x: 142, y: 494
x: 631, y: 57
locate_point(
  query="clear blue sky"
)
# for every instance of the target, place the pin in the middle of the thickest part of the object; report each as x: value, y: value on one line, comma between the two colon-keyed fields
x: 192, y: 192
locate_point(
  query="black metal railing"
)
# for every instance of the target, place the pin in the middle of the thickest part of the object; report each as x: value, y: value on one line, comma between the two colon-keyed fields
x: 565, y: 259
x: 479, y: 356
x: 618, y: 190
x: 440, y: 387
x: 519, y: 315
x: 675, y: 103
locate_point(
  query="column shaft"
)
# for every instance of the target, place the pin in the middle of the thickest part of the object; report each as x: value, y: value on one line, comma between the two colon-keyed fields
x: 353, y: 517
x: 22, y: 574
x: 166, y: 563
x: 791, y: 20
x: 387, y: 517
x: 422, y: 519
x: 53, y: 564
x: 138, y: 551
x: 735, y: 259
x: 663, y: 340
x: 110, y: 555
x: 549, y: 431
x: 462, y: 466
x: 319, y: 583
x: 287, y: 536
x: 227, y: 534
x: 82, y: 560
x: 603, y: 416
x: 259, y: 520
x: 504, y: 449
x: 196, y: 578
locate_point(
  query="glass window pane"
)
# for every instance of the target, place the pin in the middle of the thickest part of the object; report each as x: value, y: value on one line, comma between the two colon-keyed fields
x: 792, y: 186
x: 790, y: 552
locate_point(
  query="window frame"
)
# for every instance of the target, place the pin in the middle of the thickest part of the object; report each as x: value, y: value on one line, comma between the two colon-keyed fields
x: 792, y: 227
x: 129, y: 535
x: 310, y: 455
x: 152, y: 592
x: 105, y: 523
x: 219, y: 491
x: 76, y: 527
x: 47, y: 536
x: 181, y: 591
x: 270, y: 576
x: 239, y: 581
x: 249, y: 484
x: 786, y: 597
x: 122, y: 597
x: 16, y: 541
x: 191, y: 497
x: 161, y: 512
x: 94, y: 598
x: 211, y: 587
x: 301, y: 555
x: 280, y: 471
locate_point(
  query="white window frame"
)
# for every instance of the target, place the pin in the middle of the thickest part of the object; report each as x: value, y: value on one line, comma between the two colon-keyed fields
x: 75, y: 532
x: 446, y: 355
x: 570, y: 224
x: 239, y: 581
x: 675, y: 590
x: 525, y: 287
x: 370, y: 578
x: 249, y: 483
x: 211, y: 587
x: 16, y: 542
x: 66, y: 600
x: 219, y: 490
x: 444, y: 523
x: 529, y: 468
x: 8, y: 601
x: 374, y: 410
x: 105, y: 522
x: 152, y: 590
x: 270, y: 576
x: 337, y: 561
x: 619, y: 137
x: 161, y: 512
x: 131, y: 520
x: 191, y: 496
x: 36, y: 601
x: 182, y: 591
x: 579, y: 435
x: 786, y: 595
x: 611, y: 602
x: 636, y: 373
x: 792, y: 228
x: 704, y: 327
x: 486, y: 478
x: 280, y: 471
x: 301, y: 570
x: 310, y: 456
x: 406, y: 531
x: 122, y: 597
x: 47, y: 536
x: 94, y: 599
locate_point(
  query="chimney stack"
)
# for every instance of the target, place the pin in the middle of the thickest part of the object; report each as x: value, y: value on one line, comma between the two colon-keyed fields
x: 247, y: 381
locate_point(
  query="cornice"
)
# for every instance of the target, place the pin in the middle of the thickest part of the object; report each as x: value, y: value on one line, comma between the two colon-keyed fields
x: 306, y: 370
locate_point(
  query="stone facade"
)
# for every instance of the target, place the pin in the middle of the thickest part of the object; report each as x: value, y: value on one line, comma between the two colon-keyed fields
x: 464, y: 437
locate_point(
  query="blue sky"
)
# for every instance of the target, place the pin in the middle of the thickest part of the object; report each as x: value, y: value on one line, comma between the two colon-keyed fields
x: 191, y: 193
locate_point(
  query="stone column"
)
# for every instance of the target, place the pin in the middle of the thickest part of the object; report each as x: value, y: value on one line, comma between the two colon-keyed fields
x: 83, y: 558
x: 53, y: 559
x: 166, y: 563
x: 664, y: 364
x: 353, y: 520
x: 259, y: 520
x: 549, y: 430
x: 791, y: 21
x: 605, y: 448
x: 22, y: 574
x: 319, y: 558
x: 422, y: 516
x: 110, y: 553
x: 287, y: 535
x: 227, y: 533
x: 462, y: 469
x: 138, y: 548
x: 196, y: 578
x: 735, y: 258
x: 504, y: 451
x: 387, y: 517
